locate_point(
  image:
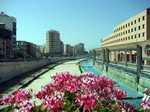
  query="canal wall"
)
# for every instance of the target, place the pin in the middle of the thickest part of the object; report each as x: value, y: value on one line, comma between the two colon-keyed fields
x: 10, y: 70
x: 143, y: 83
x: 124, y: 76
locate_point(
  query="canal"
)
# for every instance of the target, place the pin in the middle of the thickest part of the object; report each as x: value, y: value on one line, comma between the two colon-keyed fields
x: 132, y: 95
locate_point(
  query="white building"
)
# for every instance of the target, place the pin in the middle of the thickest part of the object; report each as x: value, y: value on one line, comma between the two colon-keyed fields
x: 79, y: 49
x: 68, y: 50
x: 10, y: 23
x: 54, y: 46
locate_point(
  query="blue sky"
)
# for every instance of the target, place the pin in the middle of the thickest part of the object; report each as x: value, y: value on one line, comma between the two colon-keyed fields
x: 78, y: 21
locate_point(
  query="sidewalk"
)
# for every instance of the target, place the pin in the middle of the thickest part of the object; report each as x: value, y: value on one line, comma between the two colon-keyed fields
x: 71, y: 66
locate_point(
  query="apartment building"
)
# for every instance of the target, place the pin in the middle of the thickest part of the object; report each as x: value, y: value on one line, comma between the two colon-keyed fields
x: 68, y: 50
x: 54, y: 46
x: 134, y: 30
x: 5, y: 40
x: 10, y: 24
x: 27, y: 48
x: 79, y: 49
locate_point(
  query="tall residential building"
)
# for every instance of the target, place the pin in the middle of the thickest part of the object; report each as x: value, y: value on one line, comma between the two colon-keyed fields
x: 79, y: 49
x: 68, y: 50
x: 5, y: 39
x: 133, y: 31
x: 54, y: 46
x: 10, y: 24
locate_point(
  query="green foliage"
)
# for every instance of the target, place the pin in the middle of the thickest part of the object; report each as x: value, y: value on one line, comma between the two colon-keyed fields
x: 2, y: 55
x: 17, y: 53
x: 69, y: 101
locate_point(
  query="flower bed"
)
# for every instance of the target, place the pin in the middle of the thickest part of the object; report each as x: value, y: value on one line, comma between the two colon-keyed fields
x: 73, y: 93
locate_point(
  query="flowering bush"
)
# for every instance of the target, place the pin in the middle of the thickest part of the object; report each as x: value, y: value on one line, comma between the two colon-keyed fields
x: 145, y: 105
x: 71, y: 93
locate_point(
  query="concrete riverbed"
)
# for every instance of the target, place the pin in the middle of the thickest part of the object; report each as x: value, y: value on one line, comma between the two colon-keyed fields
x: 36, y: 79
x: 71, y: 66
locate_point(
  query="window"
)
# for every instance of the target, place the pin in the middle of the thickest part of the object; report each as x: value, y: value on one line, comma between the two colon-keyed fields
x: 139, y: 19
x: 132, y: 37
x: 123, y: 26
x: 139, y: 35
x: 134, y: 28
x: 143, y: 34
x: 143, y: 26
x: 139, y: 27
x: 128, y: 31
x: 143, y: 17
x: 134, y: 21
x: 128, y: 37
x: 128, y: 24
x: 135, y: 36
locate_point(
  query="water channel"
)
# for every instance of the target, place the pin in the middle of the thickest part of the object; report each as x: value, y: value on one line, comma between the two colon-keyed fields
x: 132, y: 95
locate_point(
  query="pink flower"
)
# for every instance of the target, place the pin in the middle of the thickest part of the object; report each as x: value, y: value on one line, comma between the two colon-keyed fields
x: 5, y: 100
x: 20, y: 96
x: 53, y: 103
x: 45, y: 90
x: 119, y: 94
x: 67, y: 91
x: 17, y: 97
x: 146, y: 102
x: 147, y: 91
x: 88, y: 101
x: 26, y: 107
x: 128, y: 107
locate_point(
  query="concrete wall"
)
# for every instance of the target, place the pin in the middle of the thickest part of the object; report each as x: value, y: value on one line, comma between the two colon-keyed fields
x: 9, y: 70
x: 125, y: 77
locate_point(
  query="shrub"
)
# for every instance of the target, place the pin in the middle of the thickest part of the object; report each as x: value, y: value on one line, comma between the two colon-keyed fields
x: 71, y: 93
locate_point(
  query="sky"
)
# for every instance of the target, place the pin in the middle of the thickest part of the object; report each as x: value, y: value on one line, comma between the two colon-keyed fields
x: 78, y: 21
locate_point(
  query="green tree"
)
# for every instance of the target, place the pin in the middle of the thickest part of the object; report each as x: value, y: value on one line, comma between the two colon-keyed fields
x: 2, y: 55
x: 17, y: 53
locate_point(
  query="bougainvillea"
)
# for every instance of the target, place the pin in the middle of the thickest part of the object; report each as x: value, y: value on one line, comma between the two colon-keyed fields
x: 73, y: 93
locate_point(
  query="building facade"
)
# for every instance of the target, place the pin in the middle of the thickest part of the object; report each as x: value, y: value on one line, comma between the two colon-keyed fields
x: 5, y: 41
x: 27, y: 48
x: 10, y: 24
x: 54, y: 46
x: 79, y: 49
x: 68, y: 50
x: 133, y: 31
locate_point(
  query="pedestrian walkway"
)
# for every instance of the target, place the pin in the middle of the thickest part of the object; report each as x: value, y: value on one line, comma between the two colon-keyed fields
x: 71, y: 66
